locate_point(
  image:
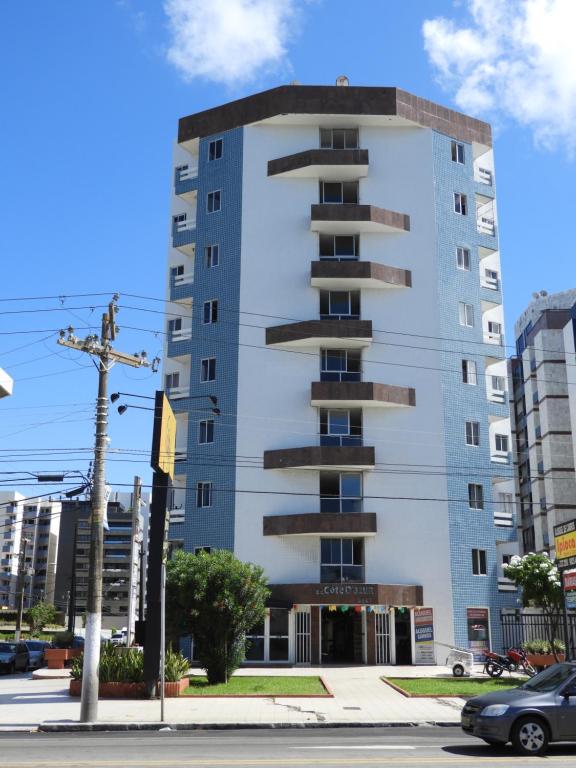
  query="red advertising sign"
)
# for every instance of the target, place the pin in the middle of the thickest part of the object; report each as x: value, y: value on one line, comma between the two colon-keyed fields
x: 569, y: 580
x: 478, y: 621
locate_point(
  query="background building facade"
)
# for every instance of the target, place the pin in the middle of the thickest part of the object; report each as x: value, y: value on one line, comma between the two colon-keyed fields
x: 334, y: 280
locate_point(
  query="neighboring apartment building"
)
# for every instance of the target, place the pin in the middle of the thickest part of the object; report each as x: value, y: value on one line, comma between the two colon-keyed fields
x: 30, y: 528
x: 543, y: 406
x: 121, y: 566
x: 334, y: 280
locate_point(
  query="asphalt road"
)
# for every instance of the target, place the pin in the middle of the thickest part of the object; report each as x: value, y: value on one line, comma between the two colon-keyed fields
x: 386, y: 747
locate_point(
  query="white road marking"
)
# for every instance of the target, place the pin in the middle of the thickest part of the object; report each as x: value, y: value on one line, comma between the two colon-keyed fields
x: 362, y: 746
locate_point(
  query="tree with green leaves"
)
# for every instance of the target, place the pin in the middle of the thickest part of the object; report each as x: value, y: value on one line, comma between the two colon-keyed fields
x: 39, y: 616
x: 539, y: 579
x: 217, y: 599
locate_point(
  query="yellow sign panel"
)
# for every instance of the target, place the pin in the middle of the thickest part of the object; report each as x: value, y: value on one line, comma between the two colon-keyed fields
x: 164, y: 438
x: 565, y: 544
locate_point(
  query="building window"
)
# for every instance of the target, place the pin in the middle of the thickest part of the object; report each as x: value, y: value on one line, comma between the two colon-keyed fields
x: 339, y: 247
x: 215, y: 150
x: 174, y: 325
x: 214, y: 201
x: 473, y: 433
x: 210, y: 314
x: 212, y: 255
x: 177, y: 271
x: 498, y: 383
x: 340, y: 427
x: 339, y: 305
x: 203, y: 494
x: 469, y: 375
x: 341, y: 492
x: 197, y: 550
x: 341, y: 560
x: 475, y: 496
x: 479, y: 562
x: 463, y: 258
x: 178, y: 218
x: 339, y: 138
x: 457, y: 152
x: 208, y: 369
x: 339, y: 192
x: 172, y: 380
x: 340, y: 365
x: 460, y: 204
x: 494, y: 328
x: 466, y: 314
x: 501, y: 443
x: 206, y: 431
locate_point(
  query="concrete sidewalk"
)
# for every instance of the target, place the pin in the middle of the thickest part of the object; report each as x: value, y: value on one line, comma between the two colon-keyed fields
x: 360, y: 698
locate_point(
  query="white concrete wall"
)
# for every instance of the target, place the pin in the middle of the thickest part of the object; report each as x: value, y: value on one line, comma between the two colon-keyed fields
x: 412, y: 545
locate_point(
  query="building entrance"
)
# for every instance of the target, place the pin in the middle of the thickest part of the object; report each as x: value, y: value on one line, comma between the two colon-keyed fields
x: 342, y: 637
x: 403, y: 634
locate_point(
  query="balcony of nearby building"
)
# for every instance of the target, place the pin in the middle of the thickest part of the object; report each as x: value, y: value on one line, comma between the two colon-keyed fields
x: 321, y: 524
x: 350, y: 274
x: 329, y: 164
x: 343, y: 217
x: 483, y: 175
x: 485, y: 216
x: 184, y: 233
x: 330, y: 333
x: 356, y: 394
x: 186, y: 181
x: 342, y: 457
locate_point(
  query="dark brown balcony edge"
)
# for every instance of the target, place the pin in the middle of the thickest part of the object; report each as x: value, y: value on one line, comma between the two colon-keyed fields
x: 334, y: 100
x: 336, y: 329
x: 317, y: 157
x: 365, y: 270
x: 357, y: 212
x: 349, y: 594
x: 320, y: 523
x: 363, y: 390
x: 320, y: 455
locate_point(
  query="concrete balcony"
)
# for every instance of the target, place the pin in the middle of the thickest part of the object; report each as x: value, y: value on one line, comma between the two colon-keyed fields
x: 329, y: 334
x: 321, y: 524
x: 177, y: 393
x: 184, y: 236
x: 493, y: 338
x: 499, y: 457
x: 349, y: 275
x: 343, y: 218
x: 321, y: 457
x: 486, y: 225
x: 186, y: 182
x: 328, y: 164
x: 356, y: 394
x: 497, y: 395
x: 483, y: 175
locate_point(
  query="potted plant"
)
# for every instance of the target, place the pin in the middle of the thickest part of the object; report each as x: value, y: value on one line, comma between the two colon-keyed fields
x: 175, y: 678
x: 120, y: 675
x: 542, y: 653
x: 61, y: 650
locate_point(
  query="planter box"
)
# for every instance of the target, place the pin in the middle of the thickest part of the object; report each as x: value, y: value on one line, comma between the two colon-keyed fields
x: 56, y: 658
x: 129, y: 690
x: 544, y: 659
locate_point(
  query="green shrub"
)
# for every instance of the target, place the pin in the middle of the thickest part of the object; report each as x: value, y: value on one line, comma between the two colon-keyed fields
x: 543, y: 646
x: 175, y: 666
x: 116, y: 665
x: 62, y: 639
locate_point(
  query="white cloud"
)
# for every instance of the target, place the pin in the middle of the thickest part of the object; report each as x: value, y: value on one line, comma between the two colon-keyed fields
x: 228, y: 41
x: 515, y: 59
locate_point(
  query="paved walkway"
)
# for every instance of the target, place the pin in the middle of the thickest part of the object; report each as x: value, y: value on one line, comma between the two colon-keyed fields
x: 359, y: 697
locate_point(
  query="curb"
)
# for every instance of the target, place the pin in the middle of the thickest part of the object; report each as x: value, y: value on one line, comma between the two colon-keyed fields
x: 149, y: 726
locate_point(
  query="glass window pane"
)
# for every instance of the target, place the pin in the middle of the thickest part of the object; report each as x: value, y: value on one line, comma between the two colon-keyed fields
x: 325, y: 138
x: 351, y: 484
x: 347, y: 550
x: 326, y: 245
x: 350, y: 191
x: 254, y: 649
x: 278, y: 621
x: 334, y: 359
x: 345, y: 245
x: 329, y: 483
x: 278, y: 649
x: 330, y: 573
x: 358, y: 555
x: 331, y: 192
x: 351, y: 138
x: 339, y: 302
x: 338, y: 138
x: 338, y: 423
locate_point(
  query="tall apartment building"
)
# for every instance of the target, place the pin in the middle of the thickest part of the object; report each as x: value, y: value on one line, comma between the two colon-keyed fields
x: 334, y: 280
x: 121, y: 565
x: 37, y: 521
x: 543, y: 406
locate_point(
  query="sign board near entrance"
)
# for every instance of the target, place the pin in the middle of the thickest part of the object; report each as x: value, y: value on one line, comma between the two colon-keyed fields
x: 424, y: 636
x: 478, y: 622
x: 565, y: 544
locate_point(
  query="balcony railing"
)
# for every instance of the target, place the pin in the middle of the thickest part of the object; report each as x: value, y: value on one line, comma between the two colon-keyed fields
x: 183, y: 232
x: 341, y: 440
x: 190, y: 172
x: 340, y: 376
x: 498, y: 395
x: 483, y: 175
x: 506, y: 585
x: 500, y: 457
x: 182, y: 334
x: 492, y: 338
x: 485, y: 225
x: 175, y: 393
x: 341, y: 573
x: 187, y: 277
x: 340, y: 317
x: 490, y: 282
x: 180, y: 456
x: 176, y: 516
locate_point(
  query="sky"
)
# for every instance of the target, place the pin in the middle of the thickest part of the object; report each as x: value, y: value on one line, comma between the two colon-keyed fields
x: 91, y: 95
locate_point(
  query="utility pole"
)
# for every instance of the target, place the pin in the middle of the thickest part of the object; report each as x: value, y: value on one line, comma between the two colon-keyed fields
x: 20, y: 589
x: 101, y: 348
x: 134, y: 558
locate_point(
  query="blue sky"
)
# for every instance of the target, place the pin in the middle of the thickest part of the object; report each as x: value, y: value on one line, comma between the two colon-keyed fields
x: 91, y: 96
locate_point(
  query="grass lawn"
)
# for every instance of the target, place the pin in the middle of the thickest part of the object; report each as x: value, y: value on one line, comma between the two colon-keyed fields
x: 434, y: 686
x: 257, y: 686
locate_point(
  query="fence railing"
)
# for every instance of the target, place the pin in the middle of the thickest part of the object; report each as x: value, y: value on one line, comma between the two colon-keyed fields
x: 520, y: 628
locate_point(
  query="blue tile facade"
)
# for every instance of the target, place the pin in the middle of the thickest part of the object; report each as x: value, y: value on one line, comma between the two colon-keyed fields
x: 214, y: 462
x: 469, y: 529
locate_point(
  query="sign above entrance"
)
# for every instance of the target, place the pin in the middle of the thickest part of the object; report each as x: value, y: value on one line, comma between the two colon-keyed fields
x: 565, y: 544
x: 348, y: 594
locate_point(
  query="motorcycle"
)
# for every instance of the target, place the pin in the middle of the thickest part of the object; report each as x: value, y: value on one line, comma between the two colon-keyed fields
x: 515, y: 660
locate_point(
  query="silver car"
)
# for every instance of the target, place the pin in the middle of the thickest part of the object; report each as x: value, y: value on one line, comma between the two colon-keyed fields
x: 538, y: 712
x: 36, y: 650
